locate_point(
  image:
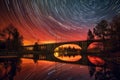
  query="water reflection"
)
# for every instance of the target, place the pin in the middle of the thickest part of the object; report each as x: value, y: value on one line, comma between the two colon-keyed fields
x: 9, y: 68
x: 96, y: 60
x: 37, y: 57
x: 68, y: 57
x: 47, y: 70
x: 102, y: 73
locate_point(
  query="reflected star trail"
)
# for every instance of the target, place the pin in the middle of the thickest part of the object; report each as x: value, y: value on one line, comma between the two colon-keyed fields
x: 55, y: 20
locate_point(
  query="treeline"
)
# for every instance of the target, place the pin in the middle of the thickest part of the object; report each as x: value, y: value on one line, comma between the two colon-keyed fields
x: 107, y: 31
x: 10, y: 39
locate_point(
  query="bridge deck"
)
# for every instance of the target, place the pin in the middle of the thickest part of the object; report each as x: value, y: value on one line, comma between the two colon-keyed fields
x: 68, y: 42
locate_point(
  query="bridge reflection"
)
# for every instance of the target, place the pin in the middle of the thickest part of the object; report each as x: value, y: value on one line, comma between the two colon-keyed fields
x: 96, y: 65
x: 73, y: 59
x: 9, y: 66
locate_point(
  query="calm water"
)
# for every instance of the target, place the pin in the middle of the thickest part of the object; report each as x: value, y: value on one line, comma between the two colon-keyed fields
x: 38, y: 67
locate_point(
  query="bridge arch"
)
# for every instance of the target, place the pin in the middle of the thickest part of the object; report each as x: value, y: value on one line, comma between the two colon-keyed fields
x: 68, y: 52
x: 95, y: 47
x: 67, y: 49
x: 70, y: 46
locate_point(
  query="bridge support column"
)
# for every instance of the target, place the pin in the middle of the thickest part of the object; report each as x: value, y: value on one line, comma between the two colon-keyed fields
x: 84, y: 46
x: 84, y: 56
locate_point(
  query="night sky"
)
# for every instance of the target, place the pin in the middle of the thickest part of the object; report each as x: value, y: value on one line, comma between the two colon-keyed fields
x: 55, y: 20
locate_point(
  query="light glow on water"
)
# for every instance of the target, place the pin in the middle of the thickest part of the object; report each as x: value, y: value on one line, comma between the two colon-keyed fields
x: 96, y: 60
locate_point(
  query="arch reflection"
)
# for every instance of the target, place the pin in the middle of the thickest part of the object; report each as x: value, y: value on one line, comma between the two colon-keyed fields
x: 96, y: 60
x: 9, y: 67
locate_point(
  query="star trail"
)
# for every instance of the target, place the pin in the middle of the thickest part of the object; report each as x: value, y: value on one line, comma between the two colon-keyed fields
x: 55, y: 20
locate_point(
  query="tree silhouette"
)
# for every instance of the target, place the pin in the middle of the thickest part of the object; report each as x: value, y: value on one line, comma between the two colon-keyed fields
x: 12, y: 68
x: 12, y: 38
x: 100, y: 29
x: 115, y: 32
x: 111, y: 31
x: 90, y: 35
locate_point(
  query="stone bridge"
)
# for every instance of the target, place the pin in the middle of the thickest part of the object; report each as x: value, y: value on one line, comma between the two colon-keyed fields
x: 51, y: 46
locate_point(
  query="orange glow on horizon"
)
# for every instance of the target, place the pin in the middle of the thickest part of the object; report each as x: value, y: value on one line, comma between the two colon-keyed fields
x: 32, y: 42
x: 46, y: 42
x: 27, y: 42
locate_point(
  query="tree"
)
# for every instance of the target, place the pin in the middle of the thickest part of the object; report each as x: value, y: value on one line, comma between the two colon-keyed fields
x: 12, y: 38
x: 100, y: 29
x: 90, y: 35
x: 115, y: 32
x: 111, y: 31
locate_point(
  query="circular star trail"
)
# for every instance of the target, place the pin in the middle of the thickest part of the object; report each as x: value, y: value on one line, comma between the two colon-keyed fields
x: 56, y: 20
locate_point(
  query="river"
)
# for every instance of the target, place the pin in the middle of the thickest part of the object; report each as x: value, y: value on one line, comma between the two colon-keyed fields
x: 20, y: 68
